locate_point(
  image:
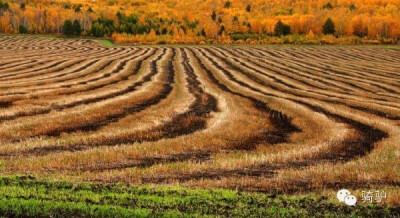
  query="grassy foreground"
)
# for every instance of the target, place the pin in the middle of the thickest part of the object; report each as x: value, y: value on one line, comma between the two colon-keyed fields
x: 27, y: 196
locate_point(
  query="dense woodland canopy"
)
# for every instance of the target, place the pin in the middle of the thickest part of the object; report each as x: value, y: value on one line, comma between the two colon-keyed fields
x: 197, y: 21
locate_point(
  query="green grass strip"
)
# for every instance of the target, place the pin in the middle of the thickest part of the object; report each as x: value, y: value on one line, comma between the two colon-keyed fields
x: 27, y: 196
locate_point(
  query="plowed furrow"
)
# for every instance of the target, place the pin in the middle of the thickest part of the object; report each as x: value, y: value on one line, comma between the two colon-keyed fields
x: 184, y: 123
x: 368, y: 135
x: 279, y: 120
x: 90, y: 100
x: 340, y: 99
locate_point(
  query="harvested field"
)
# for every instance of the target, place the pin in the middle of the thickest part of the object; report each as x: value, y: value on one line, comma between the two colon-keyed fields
x: 267, y: 119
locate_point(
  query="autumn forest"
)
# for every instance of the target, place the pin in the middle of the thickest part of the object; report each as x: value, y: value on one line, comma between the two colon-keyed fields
x: 207, y: 21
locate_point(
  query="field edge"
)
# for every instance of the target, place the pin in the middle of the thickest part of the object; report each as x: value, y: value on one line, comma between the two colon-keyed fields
x: 30, y: 196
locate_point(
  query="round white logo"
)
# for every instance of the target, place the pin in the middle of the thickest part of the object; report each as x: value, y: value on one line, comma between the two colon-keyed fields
x: 342, y: 194
x: 350, y: 200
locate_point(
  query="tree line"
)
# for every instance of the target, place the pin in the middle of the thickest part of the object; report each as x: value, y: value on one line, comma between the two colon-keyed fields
x: 232, y: 19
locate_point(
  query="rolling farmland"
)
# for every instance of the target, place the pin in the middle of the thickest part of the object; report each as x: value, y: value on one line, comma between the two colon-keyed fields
x: 266, y: 119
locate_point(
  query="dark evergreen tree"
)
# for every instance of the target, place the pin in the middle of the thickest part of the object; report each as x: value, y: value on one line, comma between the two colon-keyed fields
x: 4, y: 6
x: 214, y: 16
x: 328, y: 6
x: 97, y: 30
x: 68, y: 29
x: 248, y: 8
x: 104, y: 26
x: 286, y: 30
x: 22, y: 29
x: 67, y: 6
x: 228, y: 4
x: 281, y: 29
x: 164, y: 31
x: 328, y: 27
x: 203, y: 32
x: 221, y: 30
x: 119, y: 15
x: 76, y: 26
x: 77, y: 8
